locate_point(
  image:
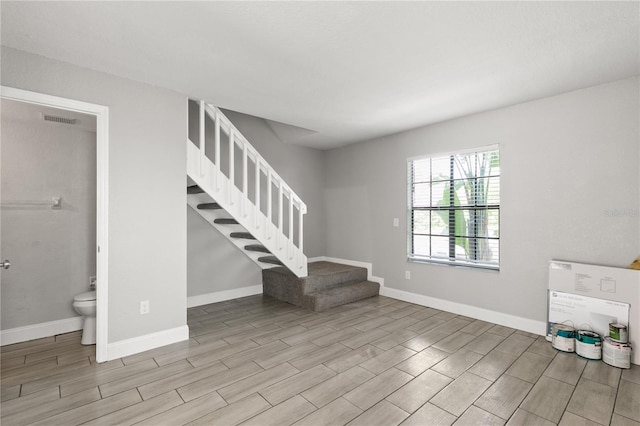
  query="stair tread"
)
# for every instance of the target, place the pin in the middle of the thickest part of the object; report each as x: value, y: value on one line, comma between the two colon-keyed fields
x: 209, y: 206
x: 226, y: 221
x: 270, y: 259
x: 194, y: 189
x: 245, y: 235
x: 257, y: 247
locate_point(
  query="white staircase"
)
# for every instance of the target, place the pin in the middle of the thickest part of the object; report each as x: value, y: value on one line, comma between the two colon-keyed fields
x: 241, y: 195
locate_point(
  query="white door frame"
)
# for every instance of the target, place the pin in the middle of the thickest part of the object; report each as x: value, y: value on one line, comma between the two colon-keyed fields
x: 102, y: 196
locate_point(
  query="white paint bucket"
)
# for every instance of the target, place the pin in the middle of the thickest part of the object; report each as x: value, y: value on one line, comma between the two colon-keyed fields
x: 563, y: 338
x: 615, y: 353
x: 588, y: 344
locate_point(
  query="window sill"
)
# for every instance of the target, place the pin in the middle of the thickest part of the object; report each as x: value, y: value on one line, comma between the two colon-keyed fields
x: 450, y: 264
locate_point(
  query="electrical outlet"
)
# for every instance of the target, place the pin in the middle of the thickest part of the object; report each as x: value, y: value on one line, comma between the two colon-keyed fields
x: 407, y: 275
x: 92, y: 283
x: 396, y: 222
x: 144, y: 307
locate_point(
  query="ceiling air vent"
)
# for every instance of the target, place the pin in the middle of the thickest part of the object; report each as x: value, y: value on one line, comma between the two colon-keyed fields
x: 56, y: 119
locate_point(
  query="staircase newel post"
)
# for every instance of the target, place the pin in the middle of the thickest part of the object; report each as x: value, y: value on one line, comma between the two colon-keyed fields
x: 203, y: 151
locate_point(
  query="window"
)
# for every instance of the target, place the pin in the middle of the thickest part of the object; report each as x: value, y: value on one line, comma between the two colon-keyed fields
x: 454, y: 209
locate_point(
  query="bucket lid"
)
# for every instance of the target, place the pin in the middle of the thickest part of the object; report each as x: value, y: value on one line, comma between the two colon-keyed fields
x: 85, y: 297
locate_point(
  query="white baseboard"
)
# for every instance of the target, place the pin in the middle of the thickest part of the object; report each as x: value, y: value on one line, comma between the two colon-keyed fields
x: 221, y: 296
x: 38, y: 331
x: 148, y: 341
x: 507, y: 320
x: 366, y: 265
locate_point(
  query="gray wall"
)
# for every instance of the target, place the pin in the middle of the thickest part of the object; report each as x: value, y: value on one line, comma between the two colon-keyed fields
x: 213, y: 263
x: 568, y: 162
x: 52, y: 251
x: 147, y: 217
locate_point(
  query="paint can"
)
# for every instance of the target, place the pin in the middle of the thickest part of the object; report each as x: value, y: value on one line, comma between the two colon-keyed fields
x: 618, y: 333
x: 563, y: 338
x: 616, y: 354
x: 588, y: 344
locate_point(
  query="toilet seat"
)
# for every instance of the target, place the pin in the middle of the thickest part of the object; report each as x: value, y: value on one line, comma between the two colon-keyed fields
x: 85, y: 297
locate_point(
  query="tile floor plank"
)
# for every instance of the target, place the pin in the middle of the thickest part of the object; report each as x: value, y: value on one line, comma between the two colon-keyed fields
x: 187, y: 412
x: 181, y: 378
x: 338, y: 412
x: 370, y: 393
x: 414, y: 394
x: 383, y: 413
x: 93, y: 410
x: 628, y: 400
x: 429, y: 414
x: 141, y: 411
x: 285, y: 413
x: 504, y: 396
x: 461, y: 393
x: 325, y: 392
x: 234, y: 413
x: 593, y: 401
x: 257, y: 382
x: 298, y: 383
x: 548, y: 398
x: 476, y: 416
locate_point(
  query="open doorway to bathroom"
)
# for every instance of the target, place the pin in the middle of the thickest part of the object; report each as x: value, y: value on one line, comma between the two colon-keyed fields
x: 53, y: 215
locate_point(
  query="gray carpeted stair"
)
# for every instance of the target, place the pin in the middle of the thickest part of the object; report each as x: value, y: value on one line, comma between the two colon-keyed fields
x: 328, y: 284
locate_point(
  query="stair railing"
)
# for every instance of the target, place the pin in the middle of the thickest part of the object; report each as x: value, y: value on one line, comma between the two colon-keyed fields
x: 287, y: 246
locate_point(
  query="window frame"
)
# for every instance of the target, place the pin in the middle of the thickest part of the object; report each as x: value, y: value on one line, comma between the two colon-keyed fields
x: 452, y: 208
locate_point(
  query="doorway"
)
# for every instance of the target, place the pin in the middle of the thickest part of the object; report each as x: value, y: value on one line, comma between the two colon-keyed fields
x: 100, y: 115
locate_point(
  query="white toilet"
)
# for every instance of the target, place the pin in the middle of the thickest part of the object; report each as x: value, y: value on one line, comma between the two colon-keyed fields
x: 85, y: 305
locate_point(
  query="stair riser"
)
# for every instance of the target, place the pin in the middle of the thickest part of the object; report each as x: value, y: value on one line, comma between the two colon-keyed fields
x: 282, y: 290
x: 325, y: 282
x: 322, y: 302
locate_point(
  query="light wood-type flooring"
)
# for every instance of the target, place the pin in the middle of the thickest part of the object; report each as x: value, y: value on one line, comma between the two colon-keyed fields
x: 258, y: 361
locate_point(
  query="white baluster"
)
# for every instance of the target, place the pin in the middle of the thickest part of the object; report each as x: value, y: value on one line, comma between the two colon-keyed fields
x: 232, y: 170
x: 300, y: 235
x: 217, y: 151
x: 257, y: 212
x: 281, y: 231
x: 269, y: 205
x: 203, y: 142
x: 290, y: 227
x: 245, y: 178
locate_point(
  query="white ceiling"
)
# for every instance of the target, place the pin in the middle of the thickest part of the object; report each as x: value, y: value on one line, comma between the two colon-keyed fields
x: 341, y: 72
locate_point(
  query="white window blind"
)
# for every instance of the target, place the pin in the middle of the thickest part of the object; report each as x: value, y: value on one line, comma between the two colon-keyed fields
x: 454, y: 208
